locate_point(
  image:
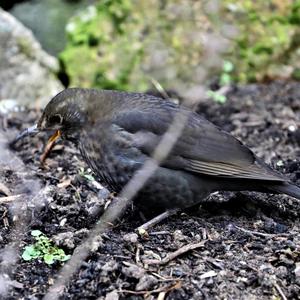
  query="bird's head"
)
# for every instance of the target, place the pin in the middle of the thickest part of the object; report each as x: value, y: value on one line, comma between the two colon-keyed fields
x: 64, y: 115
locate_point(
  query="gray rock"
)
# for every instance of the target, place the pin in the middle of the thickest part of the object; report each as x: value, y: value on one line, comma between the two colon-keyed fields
x: 130, y: 238
x: 65, y: 239
x: 112, y: 295
x: 109, y: 267
x: 133, y: 271
x: 27, y: 73
x: 146, y: 283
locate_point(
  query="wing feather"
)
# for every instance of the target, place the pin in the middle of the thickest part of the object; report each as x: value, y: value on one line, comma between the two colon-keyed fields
x: 202, y: 148
x: 225, y: 170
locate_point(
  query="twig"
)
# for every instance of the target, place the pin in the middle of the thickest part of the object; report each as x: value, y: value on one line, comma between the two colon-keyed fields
x: 161, y: 296
x: 163, y: 279
x: 157, y: 220
x: 269, y: 235
x: 159, y: 88
x: 280, y: 292
x: 165, y: 289
x: 11, y: 198
x: 163, y: 232
x: 4, y: 189
x: 174, y: 254
x: 137, y: 255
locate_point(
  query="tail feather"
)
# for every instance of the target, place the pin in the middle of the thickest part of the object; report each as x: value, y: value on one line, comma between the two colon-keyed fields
x: 286, y: 188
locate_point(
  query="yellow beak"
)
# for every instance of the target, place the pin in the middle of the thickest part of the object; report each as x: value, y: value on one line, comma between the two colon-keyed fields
x: 49, y: 145
x: 54, y: 137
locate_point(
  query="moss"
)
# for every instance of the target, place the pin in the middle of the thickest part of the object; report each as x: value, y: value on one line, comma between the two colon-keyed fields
x: 99, y: 52
x: 267, y: 38
x: 25, y: 46
x: 122, y: 44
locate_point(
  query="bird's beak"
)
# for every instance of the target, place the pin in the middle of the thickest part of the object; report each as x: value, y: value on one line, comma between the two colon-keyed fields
x: 33, y: 130
x: 50, y: 144
x: 54, y: 137
x: 27, y: 132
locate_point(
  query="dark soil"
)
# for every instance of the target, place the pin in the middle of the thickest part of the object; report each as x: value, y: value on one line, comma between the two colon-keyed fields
x: 251, y: 241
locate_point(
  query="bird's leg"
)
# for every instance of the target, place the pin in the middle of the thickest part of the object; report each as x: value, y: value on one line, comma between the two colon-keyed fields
x: 146, y: 226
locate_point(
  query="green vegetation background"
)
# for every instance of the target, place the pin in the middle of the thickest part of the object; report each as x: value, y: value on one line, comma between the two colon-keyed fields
x: 122, y: 44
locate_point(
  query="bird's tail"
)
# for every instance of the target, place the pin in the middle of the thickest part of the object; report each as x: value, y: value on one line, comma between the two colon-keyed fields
x: 286, y: 188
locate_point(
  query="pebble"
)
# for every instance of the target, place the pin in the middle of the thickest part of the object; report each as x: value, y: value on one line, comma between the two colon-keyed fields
x: 109, y: 267
x: 133, y: 271
x: 65, y: 239
x: 281, y: 272
x: 112, y: 295
x: 146, y: 282
x: 130, y: 238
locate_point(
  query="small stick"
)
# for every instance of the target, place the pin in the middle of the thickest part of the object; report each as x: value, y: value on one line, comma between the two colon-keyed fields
x: 163, y: 232
x: 177, y: 285
x: 137, y: 255
x: 174, y: 254
x: 10, y: 198
x: 4, y: 189
x: 269, y: 235
x: 280, y: 292
x: 159, y: 88
x: 161, y: 296
x: 157, y: 220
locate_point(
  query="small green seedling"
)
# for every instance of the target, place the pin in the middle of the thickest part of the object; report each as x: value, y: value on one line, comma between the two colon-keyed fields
x: 86, y: 174
x: 217, y: 97
x: 225, y: 78
x: 44, y: 249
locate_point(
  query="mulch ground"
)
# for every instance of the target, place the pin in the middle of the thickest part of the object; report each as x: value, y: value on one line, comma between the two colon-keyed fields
x: 248, y: 243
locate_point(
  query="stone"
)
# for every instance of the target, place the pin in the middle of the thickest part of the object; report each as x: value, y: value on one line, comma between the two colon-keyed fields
x: 27, y: 72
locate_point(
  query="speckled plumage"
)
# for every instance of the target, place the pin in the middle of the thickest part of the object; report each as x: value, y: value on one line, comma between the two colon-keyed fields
x: 117, y: 132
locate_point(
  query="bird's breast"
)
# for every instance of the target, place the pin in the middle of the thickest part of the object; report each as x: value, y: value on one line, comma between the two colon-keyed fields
x: 113, y: 160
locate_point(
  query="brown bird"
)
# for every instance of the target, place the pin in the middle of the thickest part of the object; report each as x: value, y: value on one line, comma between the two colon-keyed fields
x: 117, y: 132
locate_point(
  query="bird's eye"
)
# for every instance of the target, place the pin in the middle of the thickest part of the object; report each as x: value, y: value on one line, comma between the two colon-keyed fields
x: 55, y: 120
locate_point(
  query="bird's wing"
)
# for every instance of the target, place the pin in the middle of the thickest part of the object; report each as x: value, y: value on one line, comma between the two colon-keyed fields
x: 202, y: 147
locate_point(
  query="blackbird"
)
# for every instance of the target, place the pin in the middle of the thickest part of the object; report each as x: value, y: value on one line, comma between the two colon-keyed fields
x: 117, y: 133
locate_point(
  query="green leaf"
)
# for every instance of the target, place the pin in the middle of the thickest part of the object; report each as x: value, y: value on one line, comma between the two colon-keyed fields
x: 58, y: 252
x: 65, y: 257
x: 89, y: 177
x: 220, y: 98
x: 216, y: 96
x: 225, y: 79
x: 48, y: 259
x: 86, y: 174
x: 227, y: 66
x: 30, y: 253
x: 43, y: 242
x: 27, y: 254
x: 36, y: 233
x: 43, y: 248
